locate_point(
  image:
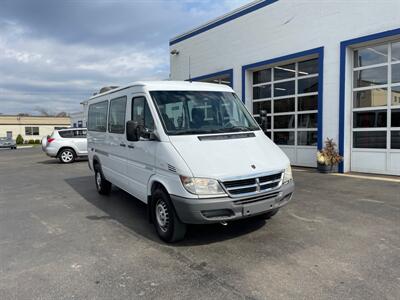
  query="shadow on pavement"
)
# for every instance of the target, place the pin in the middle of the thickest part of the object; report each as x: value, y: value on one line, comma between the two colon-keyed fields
x: 132, y: 213
x: 56, y: 161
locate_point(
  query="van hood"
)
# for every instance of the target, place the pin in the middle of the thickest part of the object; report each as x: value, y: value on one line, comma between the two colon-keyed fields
x: 235, y: 155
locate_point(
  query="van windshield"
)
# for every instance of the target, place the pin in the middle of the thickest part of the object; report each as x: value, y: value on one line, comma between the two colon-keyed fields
x: 196, y: 112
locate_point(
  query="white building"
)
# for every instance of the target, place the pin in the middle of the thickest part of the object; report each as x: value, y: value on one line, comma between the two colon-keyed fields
x: 78, y: 119
x: 30, y: 127
x: 320, y: 68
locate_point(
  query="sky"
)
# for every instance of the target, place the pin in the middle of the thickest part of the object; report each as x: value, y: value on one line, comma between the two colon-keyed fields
x: 56, y: 53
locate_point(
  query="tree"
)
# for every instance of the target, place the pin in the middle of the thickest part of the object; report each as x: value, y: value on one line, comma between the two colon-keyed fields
x: 62, y: 114
x: 43, y: 111
x: 19, y: 140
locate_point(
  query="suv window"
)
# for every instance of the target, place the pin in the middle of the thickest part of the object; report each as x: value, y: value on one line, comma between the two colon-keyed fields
x: 141, y: 113
x: 66, y: 134
x: 80, y: 134
x: 116, y: 119
x: 97, y: 116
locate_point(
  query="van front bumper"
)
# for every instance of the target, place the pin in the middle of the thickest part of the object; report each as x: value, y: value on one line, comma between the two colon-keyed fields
x: 215, y: 210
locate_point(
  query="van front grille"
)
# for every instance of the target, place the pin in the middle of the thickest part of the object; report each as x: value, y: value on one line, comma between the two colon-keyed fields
x: 249, y: 186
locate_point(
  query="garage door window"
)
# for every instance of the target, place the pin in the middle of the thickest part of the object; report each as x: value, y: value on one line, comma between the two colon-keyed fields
x: 376, y: 97
x: 289, y: 95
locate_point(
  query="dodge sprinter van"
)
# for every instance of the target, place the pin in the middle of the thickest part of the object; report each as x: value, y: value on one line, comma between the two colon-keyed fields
x: 191, y: 151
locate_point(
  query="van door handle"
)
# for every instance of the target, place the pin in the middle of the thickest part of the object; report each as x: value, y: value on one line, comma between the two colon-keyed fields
x: 131, y: 146
x: 122, y: 145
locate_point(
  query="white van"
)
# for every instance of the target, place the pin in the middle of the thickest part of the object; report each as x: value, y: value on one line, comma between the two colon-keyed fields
x: 191, y: 151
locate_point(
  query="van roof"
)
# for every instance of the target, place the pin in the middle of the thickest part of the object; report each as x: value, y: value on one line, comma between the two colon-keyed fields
x: 171, y: 86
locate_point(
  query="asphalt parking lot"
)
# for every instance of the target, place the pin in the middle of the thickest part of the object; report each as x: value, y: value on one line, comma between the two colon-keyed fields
x: 338, y: 239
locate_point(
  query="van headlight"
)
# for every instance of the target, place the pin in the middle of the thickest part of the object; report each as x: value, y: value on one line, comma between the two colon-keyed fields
x: 201, y: 186
x: 288, y: 176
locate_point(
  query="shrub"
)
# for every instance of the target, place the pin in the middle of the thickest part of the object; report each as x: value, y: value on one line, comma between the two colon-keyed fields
x: 19, y: 140
x: 37, y: 142
x: 31, y: 141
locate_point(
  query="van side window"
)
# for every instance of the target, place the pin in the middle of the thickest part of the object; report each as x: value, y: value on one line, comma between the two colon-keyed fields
x: 116, y: 119
x: 141, y: 113
x: 97, y: 116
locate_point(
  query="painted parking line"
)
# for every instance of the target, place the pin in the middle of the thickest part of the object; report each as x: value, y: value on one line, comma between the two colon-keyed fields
x: 359, y: 176
x: 367, y: 177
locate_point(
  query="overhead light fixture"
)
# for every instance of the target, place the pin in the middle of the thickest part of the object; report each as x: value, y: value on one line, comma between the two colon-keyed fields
x: 174, y: 52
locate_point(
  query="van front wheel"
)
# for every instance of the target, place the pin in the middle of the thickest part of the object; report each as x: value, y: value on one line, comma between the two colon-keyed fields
x: 169, y: 228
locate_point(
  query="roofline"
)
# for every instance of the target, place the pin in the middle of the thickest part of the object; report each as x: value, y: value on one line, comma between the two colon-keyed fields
x: 138, y: 83
x: 241, y: 11
x: 113, y: 91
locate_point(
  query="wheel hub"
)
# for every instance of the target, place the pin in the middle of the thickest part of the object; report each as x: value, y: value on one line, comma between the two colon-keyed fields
x: 162, y: 215
x: 67, y: 156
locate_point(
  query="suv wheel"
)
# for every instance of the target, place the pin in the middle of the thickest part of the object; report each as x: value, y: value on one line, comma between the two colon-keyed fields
x: 67, y: 156
x: 103, y: 186
x: 169, y: 228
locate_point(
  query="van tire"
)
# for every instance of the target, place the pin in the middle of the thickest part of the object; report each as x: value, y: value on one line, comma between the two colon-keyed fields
x: 168, y: 227
x: 103, y: 186
x: 268, y: 215
x: 67, y: 156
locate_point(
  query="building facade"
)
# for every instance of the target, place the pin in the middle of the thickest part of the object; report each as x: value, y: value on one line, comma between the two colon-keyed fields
x: 321, y: 69
x: 31, y: 127
x: 78, y: 119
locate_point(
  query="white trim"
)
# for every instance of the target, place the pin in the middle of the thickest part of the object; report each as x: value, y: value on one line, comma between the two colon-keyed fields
x: 371, y: 87
x: 370, y: 67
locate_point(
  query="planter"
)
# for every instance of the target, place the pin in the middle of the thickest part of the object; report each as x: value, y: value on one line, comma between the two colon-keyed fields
x: 326, y: 169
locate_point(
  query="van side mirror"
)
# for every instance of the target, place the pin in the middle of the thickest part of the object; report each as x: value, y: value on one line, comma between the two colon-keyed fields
x: 132, y: 131
x: 135, y: 131
x: 264, y: 120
